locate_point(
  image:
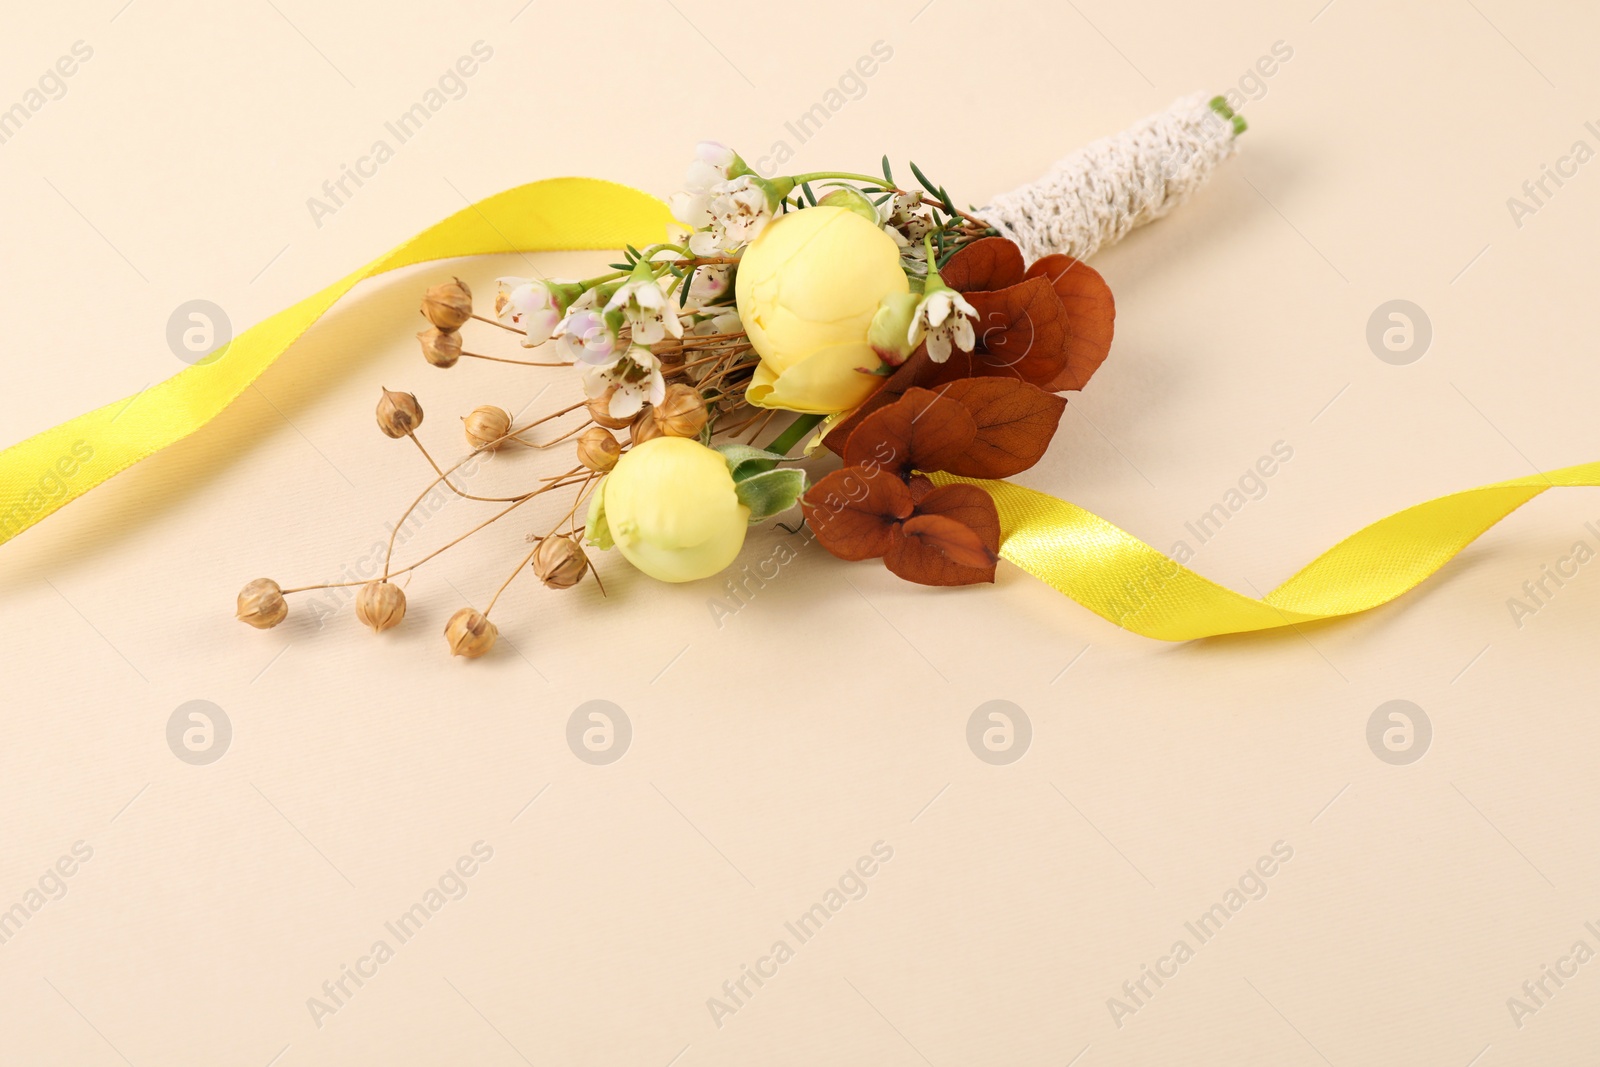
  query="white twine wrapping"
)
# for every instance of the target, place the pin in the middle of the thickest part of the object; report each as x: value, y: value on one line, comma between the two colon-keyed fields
x: 1099, y: 193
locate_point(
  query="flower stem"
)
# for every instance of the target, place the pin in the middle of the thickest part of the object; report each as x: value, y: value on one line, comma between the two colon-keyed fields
x: 840, y: 175
x: 802, y: 425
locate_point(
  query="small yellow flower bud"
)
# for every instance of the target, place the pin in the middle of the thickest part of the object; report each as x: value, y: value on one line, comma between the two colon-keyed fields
x: 600, y: 411
x: 470, y: 633
x: 672, y: 508
x: 559, y: 562
x: 398, y: 413
x: 440, y: 347
x: 682, y: 412
x: 598, y: 450
x: 448, y: 304
x: 644, y: 427
x: 380, y: 605
x: 261, y: 604
x: 486, y: 426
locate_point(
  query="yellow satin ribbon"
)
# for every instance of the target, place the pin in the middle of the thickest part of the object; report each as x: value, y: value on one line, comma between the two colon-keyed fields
x: 1102, y: 567
x: 59, y: 465
x: 1119, y: 577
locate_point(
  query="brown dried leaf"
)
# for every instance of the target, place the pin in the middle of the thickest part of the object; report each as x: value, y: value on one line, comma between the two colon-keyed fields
x: 986, y: 264
x: 1091, y: 316
x: 954, y: 539
x: 919, y: 431
x: 968, y: 505
x: 837, y: 437
x: 1021, y: 332
x: 854, y: 510
x: 1015, y: 424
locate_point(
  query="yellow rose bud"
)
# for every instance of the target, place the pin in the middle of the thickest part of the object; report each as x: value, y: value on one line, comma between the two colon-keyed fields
x: 671, y: 508
x: 807, y: 289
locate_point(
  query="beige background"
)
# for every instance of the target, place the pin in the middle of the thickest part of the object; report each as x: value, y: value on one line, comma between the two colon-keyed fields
x: 831, y: 712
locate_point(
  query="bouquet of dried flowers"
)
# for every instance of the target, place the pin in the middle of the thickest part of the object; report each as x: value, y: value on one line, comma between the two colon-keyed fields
x: 908, y: 336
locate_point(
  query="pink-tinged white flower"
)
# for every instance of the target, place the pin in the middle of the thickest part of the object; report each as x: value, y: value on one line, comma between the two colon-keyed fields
x: 711, y: 165
x: 533, y: 306
x: 588, y: 335
x: 637, y: 375
x: 739, y: 210
x: 942, y: 319
x: 710, y: 284
x: 716, y: 321
x: 651, y: 313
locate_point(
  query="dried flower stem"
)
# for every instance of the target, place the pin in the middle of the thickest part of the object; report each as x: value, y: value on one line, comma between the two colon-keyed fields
x: 442, y: 477
x: 762, y: 425
x: 517, y: 362
x: 566, y: 436
x: 502, y: 513
x: 388, y: 555
x: 529, y: 557
x: 497, y: 322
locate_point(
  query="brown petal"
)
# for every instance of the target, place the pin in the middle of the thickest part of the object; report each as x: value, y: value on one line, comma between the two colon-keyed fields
x: 987, y: 263
x: 968, y: 505
x: 936, y: 546
x: 1091, y: 317
x: 1020, y: 333
x: 837, y: 437
x: 919, y: 431
x: 1015, y: 424
x: 854, y: 510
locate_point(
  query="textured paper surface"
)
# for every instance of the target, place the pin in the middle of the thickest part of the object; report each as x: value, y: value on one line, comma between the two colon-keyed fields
x: 832, y: 711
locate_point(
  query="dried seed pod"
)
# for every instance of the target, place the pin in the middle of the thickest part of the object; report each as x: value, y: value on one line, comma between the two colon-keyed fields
x: 398, y: 413
x: 261, y: 604
x: 448, y: 304
x: 644, y: 427
x: 559, y: 562
x: 598, y: 450
x: 682, y: 412
x: 470, y: 633
x: 600, y: 411
x: 486, y: 426
x: 440, y: 347
x: 380, y: 605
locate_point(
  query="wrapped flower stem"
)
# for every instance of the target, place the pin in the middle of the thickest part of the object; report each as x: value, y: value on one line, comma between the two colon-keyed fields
x: 1100, y: 193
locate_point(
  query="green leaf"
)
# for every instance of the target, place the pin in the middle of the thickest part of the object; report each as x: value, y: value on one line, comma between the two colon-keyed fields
x: 596, y: 532
x: 886, y: 175
x: 772, y: 492
x: 811, y: 198
x: 933, y: 190
x: 744, y: 461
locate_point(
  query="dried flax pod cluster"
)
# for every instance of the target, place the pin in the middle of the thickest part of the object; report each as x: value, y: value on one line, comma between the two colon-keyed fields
x: 694, y: 380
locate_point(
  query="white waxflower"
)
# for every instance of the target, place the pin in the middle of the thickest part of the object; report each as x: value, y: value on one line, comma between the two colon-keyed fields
x: 711, y: 164
x: 637, y: 375
x: 943, y: 318
x: 650, y: 311
x: 587, y: 335
x: 739, y: 209
x: 900, y: 208
x: 531, y: 305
